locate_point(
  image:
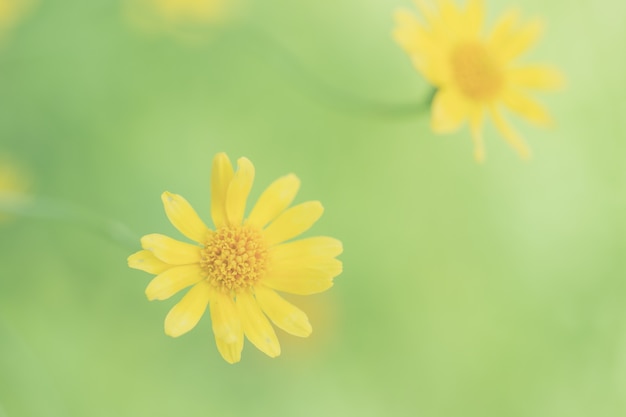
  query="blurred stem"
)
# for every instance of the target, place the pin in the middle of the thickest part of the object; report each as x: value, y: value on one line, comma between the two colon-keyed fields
x: 343, y: 100
x: 48, y: 209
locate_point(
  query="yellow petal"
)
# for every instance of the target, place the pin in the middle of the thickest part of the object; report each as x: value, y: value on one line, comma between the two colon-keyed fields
x: 144, y: 260
x: 473, y: 18
x: 256, y: 327
x: 476, y: 127
x: 171, y: 251
x: 538, y: 77
x: 293, y: 222
x: 175, y: 279
x: 307, y: 276
x: 238, y: 191
x: 184, y: 217
x: 226, y: 326
x: 511, y: 136
x: 187, y: 313
x: 520, y: 40
x: 283, y: 314
x: 320, y: 246
x: 276, y: 198
x: 527, y: 107
x: 502, y: 30
x: 449, y: 111
x: 221, y: 175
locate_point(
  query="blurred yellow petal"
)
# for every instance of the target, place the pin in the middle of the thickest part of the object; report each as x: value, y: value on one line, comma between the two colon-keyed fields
x: 503, y: 29
x: 184, y: 217
x: 187, y: 313
x: 449, y: 111
x: 256, y: 327
x: 238, y: 191
x: 282, y: 313
x: 274, y: 200
x: 293, y: 222
x: 307, y: 276
x: 226, y: 326
x: 221, y: 175
x: 175, y: 279
x: 527, y: 108
x: 474, y: 16
x: 538, y: 77
x: 145, y: 260
x: 476, y: 127
x: 511, y: 136
x: 520, y: 41
x: 171, y: 251
x: 320, y: 246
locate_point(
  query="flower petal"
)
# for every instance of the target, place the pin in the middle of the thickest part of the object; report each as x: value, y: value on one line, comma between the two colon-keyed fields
x: 521, y: 40
x: 276, y: 198
x: 320, y: 246
x: 307, y: 276
x: 473, y: 18
x: 449, y: 111
x: 221, y: 175
x: 511, y: 136
x: 226, y: 326
x: 145, y: 260
x: 171, y: 251
x: 527, y: 107
x: 293, y: 222
x: 187, y: 313
x: 538, y: 77
x: 257, y: 328
x: 476, y: 127
x: 184, y: 217
x: 175, y: 279
x: 238, y: 191
x: 283, y: 314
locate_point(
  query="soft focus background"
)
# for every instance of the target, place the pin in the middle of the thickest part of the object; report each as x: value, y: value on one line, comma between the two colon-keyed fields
x: 469, y: 290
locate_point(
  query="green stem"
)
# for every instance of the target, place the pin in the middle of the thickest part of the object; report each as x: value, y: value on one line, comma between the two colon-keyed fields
x: 48, y: 209
x: 336, y: 97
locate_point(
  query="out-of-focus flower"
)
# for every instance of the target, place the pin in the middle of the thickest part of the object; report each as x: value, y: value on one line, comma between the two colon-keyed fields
x: 237, y: 268
x: 14, y: 185
x: 186, y: 19
x: 476, y: 74
x: 11, y: 12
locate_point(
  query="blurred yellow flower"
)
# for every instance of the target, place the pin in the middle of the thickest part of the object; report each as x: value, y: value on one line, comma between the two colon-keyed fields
x: 188, y: 19
x: 14, y: 184
x: 11, y: 11
x: 237, y: 268
x: 476, y: 74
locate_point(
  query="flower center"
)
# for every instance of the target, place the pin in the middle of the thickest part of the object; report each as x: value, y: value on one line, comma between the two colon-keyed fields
x: 234, y: 257
x: 475, y: 71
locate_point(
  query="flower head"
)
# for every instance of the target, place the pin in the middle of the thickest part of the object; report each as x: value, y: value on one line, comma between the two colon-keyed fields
x: 476, y: 74
x: 236, y: 268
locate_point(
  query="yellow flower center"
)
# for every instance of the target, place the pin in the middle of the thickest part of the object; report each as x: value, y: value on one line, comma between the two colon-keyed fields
x: 234, y: 257
x: 475, y: 71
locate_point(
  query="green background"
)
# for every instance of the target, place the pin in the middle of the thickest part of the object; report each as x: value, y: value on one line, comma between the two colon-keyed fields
x: 468, y: 290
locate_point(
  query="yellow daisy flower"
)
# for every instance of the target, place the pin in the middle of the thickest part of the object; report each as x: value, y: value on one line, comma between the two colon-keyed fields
x: 476, y: 74
x: 237, y: 268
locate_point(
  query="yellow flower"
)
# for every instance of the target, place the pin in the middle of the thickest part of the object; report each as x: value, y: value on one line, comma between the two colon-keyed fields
x: 237, y: 268
x: 476, y: 74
